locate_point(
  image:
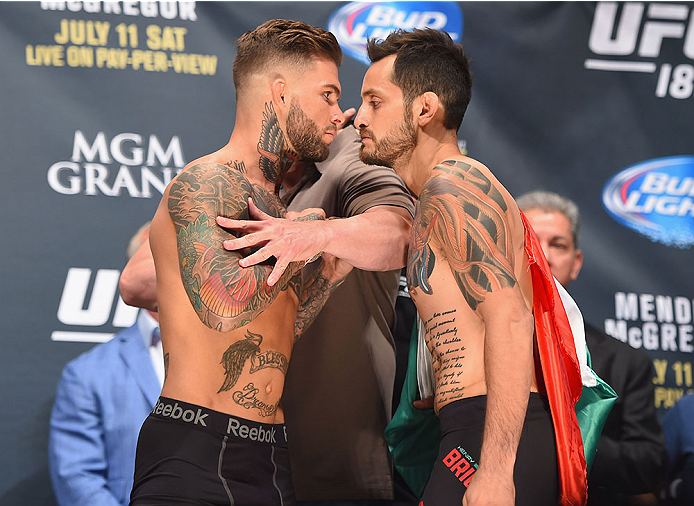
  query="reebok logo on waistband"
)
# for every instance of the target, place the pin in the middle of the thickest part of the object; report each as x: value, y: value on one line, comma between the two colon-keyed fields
x: 178, y: 413
x: 260, y: 434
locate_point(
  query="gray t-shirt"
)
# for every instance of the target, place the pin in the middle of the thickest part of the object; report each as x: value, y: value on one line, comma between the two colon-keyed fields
x: 339, y: 386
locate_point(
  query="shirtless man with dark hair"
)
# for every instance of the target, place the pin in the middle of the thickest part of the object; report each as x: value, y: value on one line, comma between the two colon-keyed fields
x: 217, y: 434
x: 469, y: 274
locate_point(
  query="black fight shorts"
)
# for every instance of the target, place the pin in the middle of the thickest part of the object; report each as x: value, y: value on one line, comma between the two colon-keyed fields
x: 535, y: 473
x: 188, y: 454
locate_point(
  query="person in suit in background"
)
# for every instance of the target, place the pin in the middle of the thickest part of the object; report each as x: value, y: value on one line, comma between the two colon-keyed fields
x: 678, y: 426
x: 630, y: 460
x: 102, y: 398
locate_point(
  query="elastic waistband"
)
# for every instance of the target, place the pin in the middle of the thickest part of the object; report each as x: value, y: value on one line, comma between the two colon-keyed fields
x: 221, y: 423
x: 472, y: 410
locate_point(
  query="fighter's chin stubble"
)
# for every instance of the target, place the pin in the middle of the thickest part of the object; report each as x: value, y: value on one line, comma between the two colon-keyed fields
x: 399, y: 141
x: 305, y: 135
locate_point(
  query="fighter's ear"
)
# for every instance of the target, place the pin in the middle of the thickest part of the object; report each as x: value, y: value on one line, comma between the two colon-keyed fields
x: 279, y: 89
x: 426, y: 106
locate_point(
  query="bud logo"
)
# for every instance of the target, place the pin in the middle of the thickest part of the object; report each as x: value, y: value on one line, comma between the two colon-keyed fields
x: 72, y: 309
x: 138, y: 156
x: 355, y: 22
x: 640, y: 31
x: 655, y: 198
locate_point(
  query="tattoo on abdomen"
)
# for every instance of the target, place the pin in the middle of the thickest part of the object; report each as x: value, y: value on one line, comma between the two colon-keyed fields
x: 464, y: 214
x: 166, y: 366
x: 441, y: 336
x: 234, y: 360
x: 248, y: 398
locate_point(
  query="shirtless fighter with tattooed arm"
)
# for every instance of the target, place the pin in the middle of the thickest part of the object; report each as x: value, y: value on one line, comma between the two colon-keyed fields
x: 468, y: 273
x: 217, y: 435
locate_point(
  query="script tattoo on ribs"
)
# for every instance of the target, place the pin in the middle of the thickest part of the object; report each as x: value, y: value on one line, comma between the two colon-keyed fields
x: 464, y: 214
x: 447, y: 350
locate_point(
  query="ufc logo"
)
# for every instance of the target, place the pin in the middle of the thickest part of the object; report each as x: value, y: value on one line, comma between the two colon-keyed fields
x: 97, y: 310
x: 663, y: 20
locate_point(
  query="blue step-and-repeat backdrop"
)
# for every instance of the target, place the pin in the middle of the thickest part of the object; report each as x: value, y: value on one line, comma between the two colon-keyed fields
x: 102, y: 103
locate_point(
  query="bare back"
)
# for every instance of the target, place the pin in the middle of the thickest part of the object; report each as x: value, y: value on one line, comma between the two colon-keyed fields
x: 467, y: 273
x: 227, y: 335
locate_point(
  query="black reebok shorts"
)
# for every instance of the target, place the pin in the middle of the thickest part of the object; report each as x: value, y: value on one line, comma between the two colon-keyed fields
x: 188, y: 454
x: 535, y: 474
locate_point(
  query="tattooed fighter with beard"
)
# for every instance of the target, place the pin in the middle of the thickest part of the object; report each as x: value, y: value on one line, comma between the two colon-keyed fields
x: 473, y: 275
x: 217, y: 434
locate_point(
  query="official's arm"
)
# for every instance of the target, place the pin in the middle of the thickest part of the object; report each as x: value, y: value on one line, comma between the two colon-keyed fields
x: 138, y: 281
x: 375, y: 240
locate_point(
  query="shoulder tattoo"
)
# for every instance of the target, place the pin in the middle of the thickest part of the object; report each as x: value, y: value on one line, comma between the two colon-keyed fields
x: 465, y: 215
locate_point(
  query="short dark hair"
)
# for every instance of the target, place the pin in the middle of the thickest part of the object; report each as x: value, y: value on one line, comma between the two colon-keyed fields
x: 428, y: 60
x: 281, y: 42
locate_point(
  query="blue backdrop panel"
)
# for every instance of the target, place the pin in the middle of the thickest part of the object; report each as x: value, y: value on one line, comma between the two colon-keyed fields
x: 102, y: 103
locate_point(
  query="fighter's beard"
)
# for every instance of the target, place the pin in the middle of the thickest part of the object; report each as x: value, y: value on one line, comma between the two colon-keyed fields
x: 393, y: 150
x: 305, y: 135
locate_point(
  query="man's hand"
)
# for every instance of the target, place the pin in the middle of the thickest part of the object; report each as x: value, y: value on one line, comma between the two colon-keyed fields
x: 348, y: 114
x: 296, y: 238
x: 426, y: 403
x: 490, y: 489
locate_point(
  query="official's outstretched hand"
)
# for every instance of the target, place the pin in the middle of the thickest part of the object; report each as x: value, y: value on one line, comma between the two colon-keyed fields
x: 299, y: 237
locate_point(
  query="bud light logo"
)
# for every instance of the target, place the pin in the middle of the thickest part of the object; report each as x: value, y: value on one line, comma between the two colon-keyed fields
x: 355, y: 22
x: 655, y: 198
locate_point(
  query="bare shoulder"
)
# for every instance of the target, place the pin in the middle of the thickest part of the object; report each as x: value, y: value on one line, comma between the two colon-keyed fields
x: 471, y: 182
x: 468, y: 175
x: 207, y: 188
x: 217, y: 168
x: 465, y: 216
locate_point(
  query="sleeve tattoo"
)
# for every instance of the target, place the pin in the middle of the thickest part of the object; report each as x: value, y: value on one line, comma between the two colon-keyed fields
x: 312, y: 297
x: 461, y: 211
x: 224, y: 295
